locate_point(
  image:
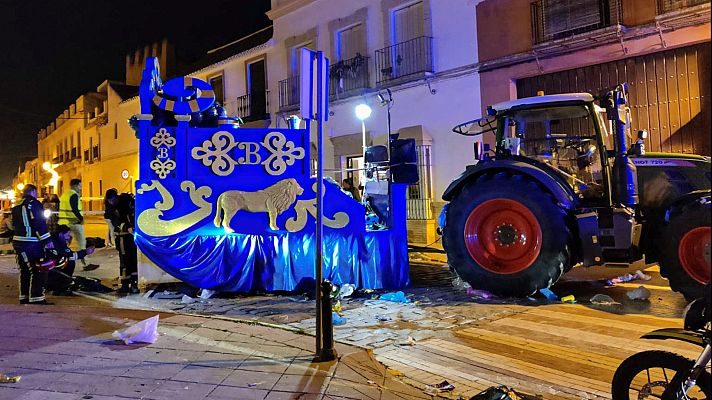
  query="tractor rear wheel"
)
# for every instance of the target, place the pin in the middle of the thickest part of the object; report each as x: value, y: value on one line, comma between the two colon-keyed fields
x: 505, y: 234
x: 685, y: 259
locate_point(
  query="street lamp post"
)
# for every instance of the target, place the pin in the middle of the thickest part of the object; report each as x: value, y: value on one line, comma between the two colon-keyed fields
x: 363, y: 111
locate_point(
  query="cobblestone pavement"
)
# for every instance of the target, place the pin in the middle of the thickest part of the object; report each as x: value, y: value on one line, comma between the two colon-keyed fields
x: 444, y: 334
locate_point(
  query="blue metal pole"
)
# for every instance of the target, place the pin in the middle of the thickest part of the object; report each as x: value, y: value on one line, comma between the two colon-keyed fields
x: 325, y: 351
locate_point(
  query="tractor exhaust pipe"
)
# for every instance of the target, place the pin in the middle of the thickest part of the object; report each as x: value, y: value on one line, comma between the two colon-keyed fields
x: 625, y: 174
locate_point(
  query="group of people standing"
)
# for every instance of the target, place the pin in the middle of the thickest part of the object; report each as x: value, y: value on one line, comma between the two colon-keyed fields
x: 41, y: 241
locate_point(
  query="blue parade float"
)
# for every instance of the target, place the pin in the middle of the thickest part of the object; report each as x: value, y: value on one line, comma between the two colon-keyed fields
x: 233, y: 209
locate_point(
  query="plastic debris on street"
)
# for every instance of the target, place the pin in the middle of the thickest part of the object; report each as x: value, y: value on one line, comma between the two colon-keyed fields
x: 546, y: 292
x: 145, y: 331
x: 603, y: 300
x: 398, y: 297
x: 441, y: 387
x: 639, y: 293
x: 569, y: 299
x: 637, y: 276
x: 483, y: 294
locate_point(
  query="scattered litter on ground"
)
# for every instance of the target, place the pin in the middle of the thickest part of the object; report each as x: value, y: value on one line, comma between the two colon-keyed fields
x: 9, y: 379
x: 458, y: 283
x: 408, y: 342
x: 345, y: 290
x: 443, y: 386
x: 167, y: 295
x: 383, y: 318
x: 637, y: 276
x: 479, y: 293
x: 187, y: 299
x: 370, y: 382
x: 603, y: 300
x: 337, y: 319
x: 639, y: 293
x: 336, y: 307
x: 207, y: 294
x: 642, y: 276
x: 397, y: 297
x: 302, y: 299
x: 546, y: 292
x: 503, y: 393
x: 145, y: 331
x: 569, y: 299
x: 254, y: 384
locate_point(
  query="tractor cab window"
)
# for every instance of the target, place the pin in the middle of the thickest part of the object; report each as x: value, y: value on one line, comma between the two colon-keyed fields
x: 606, y: 128
x: 563, y: 137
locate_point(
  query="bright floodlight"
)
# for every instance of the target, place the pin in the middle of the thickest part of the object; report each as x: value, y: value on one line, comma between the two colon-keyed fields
x: 47, y: 213
x: 20, y: 186
x: 363, y: 111
x: 46, y: 166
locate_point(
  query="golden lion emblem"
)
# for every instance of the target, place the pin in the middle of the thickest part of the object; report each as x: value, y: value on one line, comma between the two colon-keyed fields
x: 273, y: 200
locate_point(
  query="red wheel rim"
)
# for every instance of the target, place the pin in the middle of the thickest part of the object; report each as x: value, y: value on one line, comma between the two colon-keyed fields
x: 694, y: 253
x: 503, y: 236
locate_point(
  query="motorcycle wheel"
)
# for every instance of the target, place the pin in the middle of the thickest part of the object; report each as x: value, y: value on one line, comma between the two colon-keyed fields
x: 647, y: 375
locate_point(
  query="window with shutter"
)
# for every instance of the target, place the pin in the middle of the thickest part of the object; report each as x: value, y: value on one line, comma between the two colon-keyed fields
x: 350, y: 42
x: 408, y: 23
x: 218, y: 88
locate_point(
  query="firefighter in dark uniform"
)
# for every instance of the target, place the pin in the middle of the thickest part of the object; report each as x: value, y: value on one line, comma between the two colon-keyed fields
x: 30, y: 240
x: 128, y: 260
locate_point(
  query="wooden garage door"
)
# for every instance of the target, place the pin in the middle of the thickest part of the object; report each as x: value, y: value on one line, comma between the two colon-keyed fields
x: 669, y: 93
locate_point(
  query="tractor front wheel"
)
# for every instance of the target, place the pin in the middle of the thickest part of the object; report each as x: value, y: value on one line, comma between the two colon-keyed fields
x: 685, y: 259
x: 505, y: 234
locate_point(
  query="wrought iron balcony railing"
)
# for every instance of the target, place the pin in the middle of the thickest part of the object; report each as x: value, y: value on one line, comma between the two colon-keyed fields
x: 559, y: 19
x: 666, y: 6
x: 253, y: 107
x: 348, y: 75
x: 406, y: 59
x: 289, y: 93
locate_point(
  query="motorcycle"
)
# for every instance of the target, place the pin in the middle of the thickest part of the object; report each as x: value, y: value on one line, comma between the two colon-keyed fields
x: 668, y: 376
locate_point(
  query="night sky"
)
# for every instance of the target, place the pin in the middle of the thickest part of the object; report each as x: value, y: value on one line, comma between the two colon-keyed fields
x: 55, y: 51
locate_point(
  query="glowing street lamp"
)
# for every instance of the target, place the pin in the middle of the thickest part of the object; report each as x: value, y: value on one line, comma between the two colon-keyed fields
x: 20, y: 186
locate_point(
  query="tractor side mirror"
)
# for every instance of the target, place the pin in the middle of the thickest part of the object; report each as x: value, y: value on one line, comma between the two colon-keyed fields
x: 638, y: 148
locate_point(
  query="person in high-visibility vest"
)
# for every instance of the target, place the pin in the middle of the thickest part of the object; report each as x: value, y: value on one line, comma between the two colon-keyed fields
x: 70, y: 214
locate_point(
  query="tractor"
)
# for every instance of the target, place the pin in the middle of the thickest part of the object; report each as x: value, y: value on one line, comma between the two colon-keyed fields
x: 564, y: 187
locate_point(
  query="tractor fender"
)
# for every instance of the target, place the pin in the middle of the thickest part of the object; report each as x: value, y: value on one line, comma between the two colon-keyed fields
x: 658, y: 217
x: 535, y: 170
x: 678, y: 203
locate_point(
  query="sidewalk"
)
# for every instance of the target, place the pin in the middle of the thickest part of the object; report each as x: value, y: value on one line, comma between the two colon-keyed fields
x: 67, y: 352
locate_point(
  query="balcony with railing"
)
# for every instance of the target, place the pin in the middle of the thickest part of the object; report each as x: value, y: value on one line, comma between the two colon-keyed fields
x: 348, y: 76
x: 406, y: 60
x: 666, y: 6
x: 560, y: 19
x: 253, y: 106
x: 289, y: 93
